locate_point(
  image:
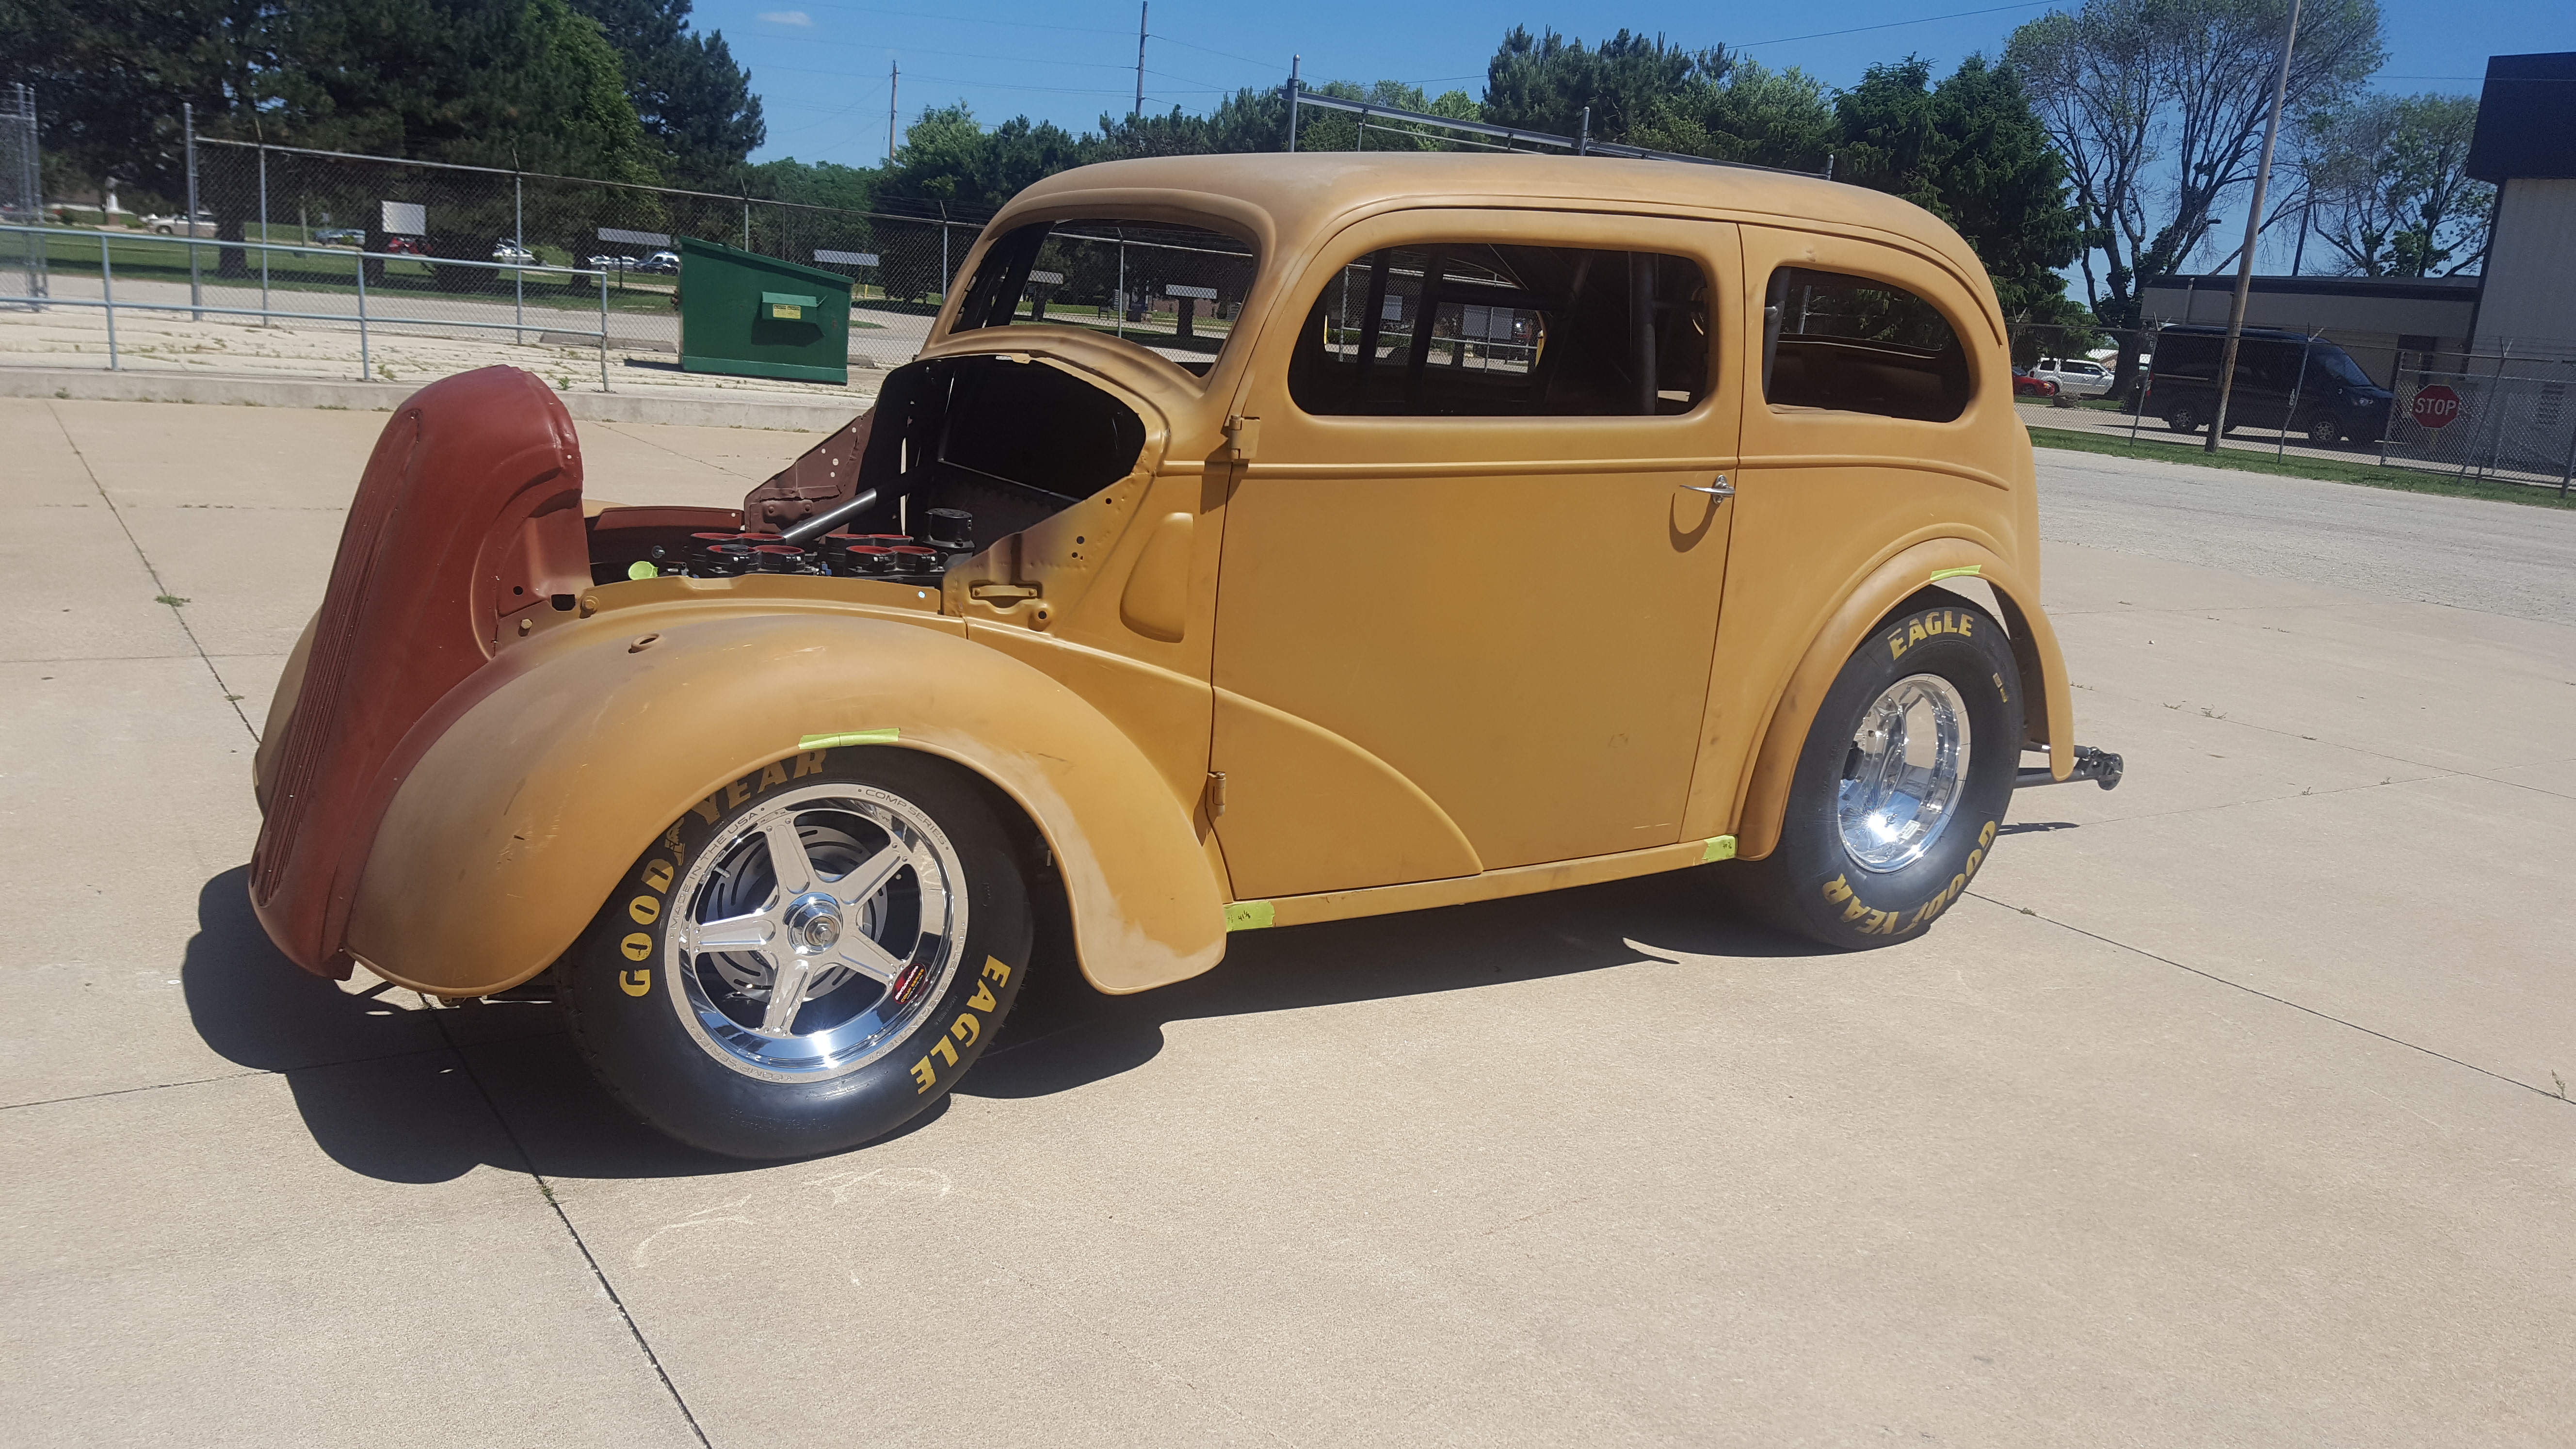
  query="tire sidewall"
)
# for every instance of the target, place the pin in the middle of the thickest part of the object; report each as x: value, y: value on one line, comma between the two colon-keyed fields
x: 625, y: 1004
x: 1833, y: 896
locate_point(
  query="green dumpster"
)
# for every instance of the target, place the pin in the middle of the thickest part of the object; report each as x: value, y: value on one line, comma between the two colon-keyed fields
x: 755, y: 316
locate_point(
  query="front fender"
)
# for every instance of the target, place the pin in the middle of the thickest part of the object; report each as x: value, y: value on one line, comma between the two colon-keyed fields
x: 499, y: 846
x: 2047, y: 702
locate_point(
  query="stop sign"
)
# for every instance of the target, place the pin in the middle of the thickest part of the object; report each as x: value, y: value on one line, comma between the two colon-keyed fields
x: 2435, y: 407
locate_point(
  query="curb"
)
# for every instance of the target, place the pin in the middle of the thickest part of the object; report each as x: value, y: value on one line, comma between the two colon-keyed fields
x: 820, y: 415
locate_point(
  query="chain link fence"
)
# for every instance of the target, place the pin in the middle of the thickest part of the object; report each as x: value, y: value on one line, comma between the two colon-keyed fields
x: 2495, y: 415
x: 898, y: 260
x: 22, y: 261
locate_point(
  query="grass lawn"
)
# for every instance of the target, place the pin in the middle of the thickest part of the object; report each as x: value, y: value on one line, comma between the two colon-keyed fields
x: 2368, y: 475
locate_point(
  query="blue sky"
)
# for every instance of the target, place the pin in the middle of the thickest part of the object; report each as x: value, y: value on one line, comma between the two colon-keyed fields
x: 820, y: 68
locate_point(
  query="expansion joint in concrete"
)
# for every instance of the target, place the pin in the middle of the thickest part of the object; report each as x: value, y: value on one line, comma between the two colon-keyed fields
x: 545, y: 1189
x: 176, y: 611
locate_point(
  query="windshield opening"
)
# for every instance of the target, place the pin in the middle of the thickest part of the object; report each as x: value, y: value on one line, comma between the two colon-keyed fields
x: 1174, y: 289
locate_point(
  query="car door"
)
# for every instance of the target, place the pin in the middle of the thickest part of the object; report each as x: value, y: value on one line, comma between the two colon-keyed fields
x: 1471, y: 573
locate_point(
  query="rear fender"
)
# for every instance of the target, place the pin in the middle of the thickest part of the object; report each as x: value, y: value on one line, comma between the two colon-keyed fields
x: 2048, y: 710
x: 584, y: 745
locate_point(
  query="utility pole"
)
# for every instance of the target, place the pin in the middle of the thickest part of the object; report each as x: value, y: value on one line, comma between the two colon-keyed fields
x: 1141, y: 6
x: 2253, y: 228
x: 1293, y: 62
x: 894, y: 82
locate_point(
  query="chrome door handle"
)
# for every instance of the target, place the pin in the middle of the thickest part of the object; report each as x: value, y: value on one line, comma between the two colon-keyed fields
x: 1719, y: 489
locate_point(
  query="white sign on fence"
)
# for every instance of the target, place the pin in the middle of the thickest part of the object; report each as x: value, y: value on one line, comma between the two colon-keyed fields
x: 1175, y: 289
x: 1047, y: 279
x: 845, y: 259
x: 406, y: 218
x: 631, y: 238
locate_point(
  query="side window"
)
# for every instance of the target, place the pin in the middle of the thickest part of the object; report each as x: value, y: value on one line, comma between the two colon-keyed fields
x: 1859, y: 346
x: 1485, y: 330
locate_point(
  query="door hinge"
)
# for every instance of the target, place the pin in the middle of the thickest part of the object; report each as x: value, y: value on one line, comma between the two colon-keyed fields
x: 1242, y: 439
x: 1215, y: 793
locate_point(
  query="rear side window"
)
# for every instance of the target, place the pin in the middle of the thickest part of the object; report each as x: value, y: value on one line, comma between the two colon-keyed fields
x: 1857, y: 345
x: 1484, y: 330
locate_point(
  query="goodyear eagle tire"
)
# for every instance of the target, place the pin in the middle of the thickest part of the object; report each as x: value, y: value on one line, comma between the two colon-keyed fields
x: 808, y: 957
x: 1902, y: 783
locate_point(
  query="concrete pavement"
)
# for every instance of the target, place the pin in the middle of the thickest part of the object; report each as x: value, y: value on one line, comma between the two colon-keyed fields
x: 2227, y: 1109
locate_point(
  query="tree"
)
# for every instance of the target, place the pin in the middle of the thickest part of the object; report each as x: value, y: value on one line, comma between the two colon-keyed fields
x: 2389, y: 187
x: 1649, y: 92
x: 2158, y: 107
x: 1970, y: 152
x: 693, y: 100
x: 948, y: 156
x: 111, y: 75
x: 500, y: 82
x: 1545, y: 82
x: 525, y: 83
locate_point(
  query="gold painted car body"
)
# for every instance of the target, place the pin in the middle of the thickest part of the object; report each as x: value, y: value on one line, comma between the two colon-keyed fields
x: 1291, y: 668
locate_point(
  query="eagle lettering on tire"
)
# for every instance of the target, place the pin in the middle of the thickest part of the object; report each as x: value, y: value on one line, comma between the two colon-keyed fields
x: 1902, y: 782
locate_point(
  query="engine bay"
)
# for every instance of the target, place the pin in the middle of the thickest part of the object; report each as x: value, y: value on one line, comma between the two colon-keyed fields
x: 955, y: 450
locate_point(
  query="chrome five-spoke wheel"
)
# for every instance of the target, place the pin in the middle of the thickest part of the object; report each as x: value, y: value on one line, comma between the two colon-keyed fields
x: 815, y: 932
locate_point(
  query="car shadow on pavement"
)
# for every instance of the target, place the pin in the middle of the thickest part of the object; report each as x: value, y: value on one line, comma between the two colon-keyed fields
x: 381, y: 1092
x: 380, y: 1087
x: 1062, y: 1034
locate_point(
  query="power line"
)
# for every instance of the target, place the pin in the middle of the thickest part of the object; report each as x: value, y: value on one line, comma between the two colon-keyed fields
x: 958, y: 54
x: 981, y: 22
x: 1898, y: 24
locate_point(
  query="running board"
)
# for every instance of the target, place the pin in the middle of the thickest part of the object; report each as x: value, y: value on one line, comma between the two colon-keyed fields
x: 2100, y: 766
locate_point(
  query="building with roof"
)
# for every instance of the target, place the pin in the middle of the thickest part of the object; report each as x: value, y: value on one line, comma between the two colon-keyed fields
x: 2526, y: 147
x: 2522, y: 303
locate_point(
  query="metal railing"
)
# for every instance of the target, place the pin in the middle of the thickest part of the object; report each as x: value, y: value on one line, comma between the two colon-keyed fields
x: 337, y: 263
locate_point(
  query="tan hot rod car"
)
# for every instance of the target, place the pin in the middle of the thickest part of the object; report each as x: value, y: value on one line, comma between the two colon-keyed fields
x: 1258, y: 540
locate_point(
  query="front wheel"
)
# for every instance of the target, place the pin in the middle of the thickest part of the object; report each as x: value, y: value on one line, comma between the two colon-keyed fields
x: 1902, y: 783
x: 2183, y: 418
x: 2323, y: 432
x: 807, y: 958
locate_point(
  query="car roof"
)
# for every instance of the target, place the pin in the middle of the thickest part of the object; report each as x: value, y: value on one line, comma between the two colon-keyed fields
x: 1304, y: 194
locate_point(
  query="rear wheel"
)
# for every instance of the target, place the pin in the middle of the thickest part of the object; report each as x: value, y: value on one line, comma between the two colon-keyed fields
x: 1902, y: 783
x: 806, y: 960
x: 2183, y: 418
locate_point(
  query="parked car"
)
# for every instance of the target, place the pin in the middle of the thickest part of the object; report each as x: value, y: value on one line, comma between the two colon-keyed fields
x: 506, y: 250
x: 179, y: 225
x: 338, y: 236
x: 406, y: 246
x: 663, y: 263
x: 2026, y: 384
x: 2075, y: 376
x: 785, y: 801
x: 616, y: 264
x: 2329, y: 398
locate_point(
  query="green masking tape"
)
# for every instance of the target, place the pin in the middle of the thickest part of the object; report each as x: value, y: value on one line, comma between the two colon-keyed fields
x: 1250, y: 916
x: 1954, y: 573
x: 1718, y: 847
x: 854, y: 737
